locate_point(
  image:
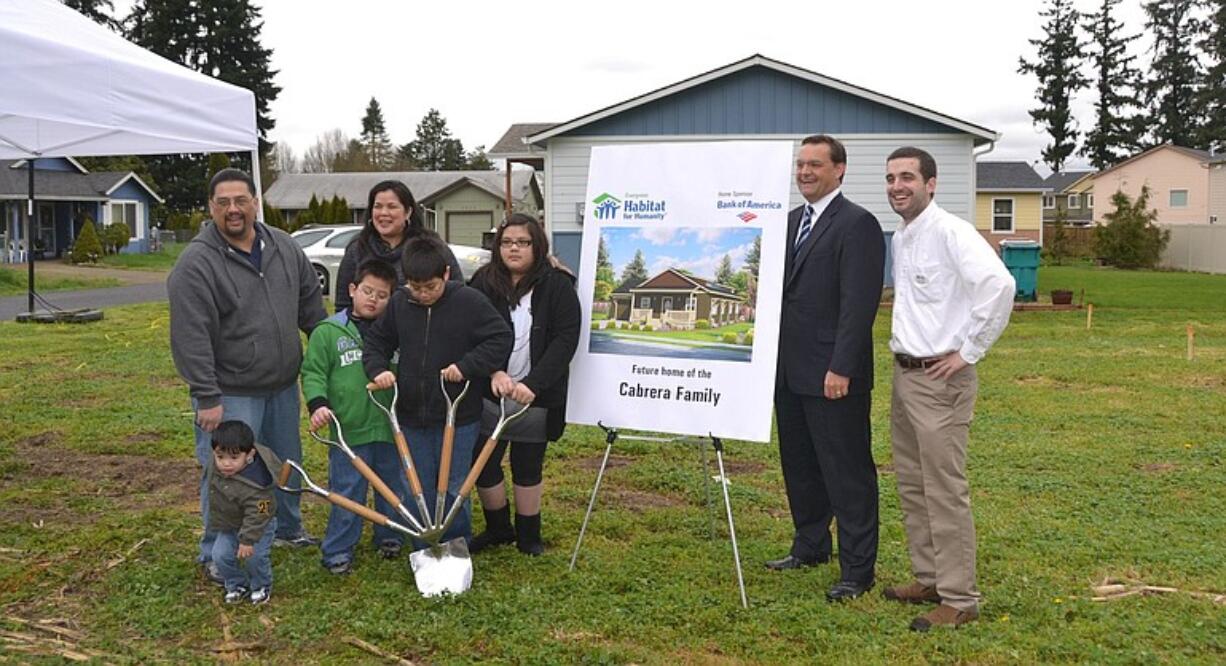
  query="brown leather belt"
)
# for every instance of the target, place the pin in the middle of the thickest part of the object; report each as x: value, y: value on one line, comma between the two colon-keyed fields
x: 915, y: 363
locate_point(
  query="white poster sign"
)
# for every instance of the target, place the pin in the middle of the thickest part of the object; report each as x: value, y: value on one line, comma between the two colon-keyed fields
x: 680, y: 284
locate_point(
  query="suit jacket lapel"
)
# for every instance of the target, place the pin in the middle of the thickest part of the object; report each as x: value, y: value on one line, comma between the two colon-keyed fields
x: 793, y: 229
x: 819, y: 228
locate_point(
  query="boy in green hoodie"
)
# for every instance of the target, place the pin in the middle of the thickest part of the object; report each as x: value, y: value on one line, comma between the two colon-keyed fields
x: 242, y: 511
x: 334, y: 384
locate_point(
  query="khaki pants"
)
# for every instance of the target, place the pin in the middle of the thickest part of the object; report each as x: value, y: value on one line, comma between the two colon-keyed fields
x: 929, y: 424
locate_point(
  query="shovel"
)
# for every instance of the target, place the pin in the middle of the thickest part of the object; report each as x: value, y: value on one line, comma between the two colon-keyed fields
x: 447, y: 567
x: 343, y: 502
x: 402, y: 447
x: 369, y: 474
x: 444, y: 463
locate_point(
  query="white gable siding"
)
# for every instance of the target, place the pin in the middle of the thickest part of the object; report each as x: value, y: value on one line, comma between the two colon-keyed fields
x: 567, y: 165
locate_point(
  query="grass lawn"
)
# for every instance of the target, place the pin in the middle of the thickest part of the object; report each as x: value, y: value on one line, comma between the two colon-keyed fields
x: 162, y: 260
x: 13, y: 282
x: 703, y: 335
x: 1094, y: 454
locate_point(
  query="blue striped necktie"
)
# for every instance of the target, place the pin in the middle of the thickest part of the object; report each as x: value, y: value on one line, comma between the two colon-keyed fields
x: 806, y: 226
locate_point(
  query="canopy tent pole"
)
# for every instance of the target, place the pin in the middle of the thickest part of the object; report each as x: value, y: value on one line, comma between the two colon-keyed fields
x: 30, y: 239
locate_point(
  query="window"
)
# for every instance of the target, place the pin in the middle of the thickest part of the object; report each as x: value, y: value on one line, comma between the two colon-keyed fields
x: 1002, y: 216
x: 1074, y: 201
x: 308, y: 238
x: 125, y: 211
x: 645, y: 302
x: 1089, y: 201
x: 342, y: 239
x: 1179, y: 198
x: 667, y: 304
x: 1049, y: 202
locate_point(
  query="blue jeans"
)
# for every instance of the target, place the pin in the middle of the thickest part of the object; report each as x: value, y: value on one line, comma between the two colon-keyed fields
x: 275, y: 419
x: 258, y: 567
x: 426, y: 446
x: 344, y: 527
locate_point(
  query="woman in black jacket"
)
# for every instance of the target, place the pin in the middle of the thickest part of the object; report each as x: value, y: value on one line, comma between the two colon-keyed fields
x: 392, y: 219
x: 539, y: 302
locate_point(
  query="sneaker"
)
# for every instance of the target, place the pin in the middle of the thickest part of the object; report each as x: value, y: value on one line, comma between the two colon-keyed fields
x: 943, y: 616
x: 211, y: 574
x: 390, y: 550
x: 339, y: 568
x: 303, y: 540
x: 236, y: 595
x: 260, y: 595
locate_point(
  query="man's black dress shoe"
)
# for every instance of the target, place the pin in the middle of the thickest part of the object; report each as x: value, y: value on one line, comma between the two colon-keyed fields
x: 793, y: 562
x: 847, y: 589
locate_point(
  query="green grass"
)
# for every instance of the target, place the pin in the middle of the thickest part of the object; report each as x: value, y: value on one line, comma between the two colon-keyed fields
x: 1093, y: 454
x: 162, y: 260
x: 13, y: 282
x: 703, y: 335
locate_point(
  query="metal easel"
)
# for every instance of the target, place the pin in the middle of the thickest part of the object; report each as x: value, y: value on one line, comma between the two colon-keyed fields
x: 613, y: 434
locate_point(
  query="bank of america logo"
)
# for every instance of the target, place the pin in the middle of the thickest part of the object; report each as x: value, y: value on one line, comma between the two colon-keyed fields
x: 747, y: 216
x: 606, y: 206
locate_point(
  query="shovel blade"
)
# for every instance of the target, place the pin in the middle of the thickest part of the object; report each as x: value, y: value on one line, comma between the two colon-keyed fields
x: 443, y: 569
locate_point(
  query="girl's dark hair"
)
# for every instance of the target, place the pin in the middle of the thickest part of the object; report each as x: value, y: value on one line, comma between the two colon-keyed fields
x: 414, y: 222
x: 233, y: 437
x: 496, y: 277
x: 424, y: 257
x: 378, y: 269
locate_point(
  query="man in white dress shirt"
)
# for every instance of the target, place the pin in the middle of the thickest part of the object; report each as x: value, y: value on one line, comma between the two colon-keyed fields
x: 952, y: 299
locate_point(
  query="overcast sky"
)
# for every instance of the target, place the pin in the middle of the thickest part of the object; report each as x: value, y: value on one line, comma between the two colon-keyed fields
x: 485, y: 65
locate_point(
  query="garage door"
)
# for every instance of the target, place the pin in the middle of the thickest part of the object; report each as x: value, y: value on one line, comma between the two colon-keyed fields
x: 466, y: 228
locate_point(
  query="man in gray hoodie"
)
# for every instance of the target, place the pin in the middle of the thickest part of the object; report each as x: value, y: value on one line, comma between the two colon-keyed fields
x: 239, y: 294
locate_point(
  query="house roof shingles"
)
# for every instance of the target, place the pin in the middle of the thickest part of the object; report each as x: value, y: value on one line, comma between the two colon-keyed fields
x: 1007, y: 176
x: 512, y: 143
x: 1061, y: 180
x: 57, y: 184
x: 293, y: 191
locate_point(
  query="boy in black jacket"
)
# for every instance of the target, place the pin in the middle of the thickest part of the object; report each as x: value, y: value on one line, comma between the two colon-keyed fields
x: 439, y: 327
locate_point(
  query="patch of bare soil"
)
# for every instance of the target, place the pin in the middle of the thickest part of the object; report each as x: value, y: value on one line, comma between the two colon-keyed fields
x: 133, y: 482
x: 593, y: 462
x: 737, y: 467
x: 886, y: 468
x: 1156, y: 467
x: 637, y: 500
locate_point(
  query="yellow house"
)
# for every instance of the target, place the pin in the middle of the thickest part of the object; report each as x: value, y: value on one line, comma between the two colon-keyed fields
x: 1009, y: 202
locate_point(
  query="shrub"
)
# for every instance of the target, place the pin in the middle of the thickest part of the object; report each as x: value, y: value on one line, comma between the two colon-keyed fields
x: 595, y: 326
x: 87, y: 247
x: 748, y: 340
x: 702, y: 325
x: 116, y: 236
x: 645, y: 327
x: 729, y: 338
x: 1130, y: 239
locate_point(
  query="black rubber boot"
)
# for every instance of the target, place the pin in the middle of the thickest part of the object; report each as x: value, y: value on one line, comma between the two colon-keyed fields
x: 498, y: 530
x: 528, y: 534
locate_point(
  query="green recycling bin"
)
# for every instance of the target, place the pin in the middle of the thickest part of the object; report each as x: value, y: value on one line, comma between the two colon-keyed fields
x: 1021, y: 257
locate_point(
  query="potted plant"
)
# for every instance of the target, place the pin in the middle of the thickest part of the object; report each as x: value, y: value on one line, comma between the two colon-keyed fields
x: 1061, y: 297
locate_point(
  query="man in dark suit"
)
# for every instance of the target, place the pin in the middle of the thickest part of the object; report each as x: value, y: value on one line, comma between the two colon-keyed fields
x: 833, y: 274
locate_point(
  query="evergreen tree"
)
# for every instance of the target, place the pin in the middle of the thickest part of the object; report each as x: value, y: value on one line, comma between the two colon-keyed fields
x: 1057, y: 67
x: 477, y: 160
x: 376, y: 146
x: 99, y: 11
x: 635, y: 270
x: 1129, y: 238
x: 1116, y: 82
x: 723, y: 274
x: 1175, y: 74
x: 273, y: 218
x: 1212, y: 99
x: 217, y: 162
x: 221, y: 39
x: 434, y: 149
x: 339, y: 211
x: 88, y: 247
x: 753, y: 258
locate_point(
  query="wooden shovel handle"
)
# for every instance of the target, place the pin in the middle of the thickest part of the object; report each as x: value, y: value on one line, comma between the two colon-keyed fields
x: 360, y: 509
x: 478, y: 465
x: 283, y: 477
x: 410, y: 470
x: 444, y: 464
x: 376, y: 482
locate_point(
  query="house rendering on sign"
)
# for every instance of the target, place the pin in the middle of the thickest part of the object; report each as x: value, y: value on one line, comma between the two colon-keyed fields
x: 1177, y: 178
x: 1071, y: 194
x: 676, y: 300
x: 754, y: 98
x: 1008, y: 197
x: 67, y: 194
x: 459, y: 205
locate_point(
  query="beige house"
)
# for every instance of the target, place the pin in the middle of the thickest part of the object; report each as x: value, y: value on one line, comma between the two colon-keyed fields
x: 676, y: 300
x: 1217, y: 190
x: 1178, y: 181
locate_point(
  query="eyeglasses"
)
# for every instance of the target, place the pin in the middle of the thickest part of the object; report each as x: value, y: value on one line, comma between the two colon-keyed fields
x: 371, y: 292
x: 523, y: 243
x: 241, y: 202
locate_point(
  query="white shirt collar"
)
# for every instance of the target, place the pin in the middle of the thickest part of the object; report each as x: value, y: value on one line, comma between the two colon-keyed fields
x: 818, y: 207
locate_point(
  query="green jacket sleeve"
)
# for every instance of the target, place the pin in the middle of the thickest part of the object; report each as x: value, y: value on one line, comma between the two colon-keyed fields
x: 317, y: 363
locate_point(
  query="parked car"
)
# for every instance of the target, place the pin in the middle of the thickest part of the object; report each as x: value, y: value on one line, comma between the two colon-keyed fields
x: 325, y: 247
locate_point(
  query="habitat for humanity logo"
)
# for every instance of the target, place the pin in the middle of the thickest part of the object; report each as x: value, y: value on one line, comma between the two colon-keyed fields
x: 747, y: 216
x: 606, y: 206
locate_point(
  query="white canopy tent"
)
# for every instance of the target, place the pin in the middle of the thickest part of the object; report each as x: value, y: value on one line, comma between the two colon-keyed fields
x: 71, y: 87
